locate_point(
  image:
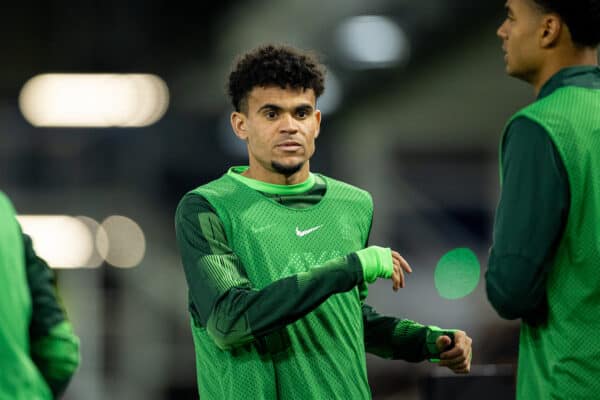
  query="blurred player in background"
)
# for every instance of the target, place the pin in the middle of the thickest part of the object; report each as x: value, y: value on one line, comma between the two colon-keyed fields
x: 275, y: 256
x: 544, y: 265
x: 39, y: 352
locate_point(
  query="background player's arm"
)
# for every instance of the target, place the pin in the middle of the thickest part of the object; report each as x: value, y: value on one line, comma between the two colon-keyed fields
x: 530, y: 219
x: 53, y: 345
x: 222, y: 298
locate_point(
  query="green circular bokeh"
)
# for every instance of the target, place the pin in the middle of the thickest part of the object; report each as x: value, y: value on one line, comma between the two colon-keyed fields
x: 457, y: 274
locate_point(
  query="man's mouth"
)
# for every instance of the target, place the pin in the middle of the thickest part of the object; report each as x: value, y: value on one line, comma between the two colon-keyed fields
x: 289, y: 145
x: 505, y: 53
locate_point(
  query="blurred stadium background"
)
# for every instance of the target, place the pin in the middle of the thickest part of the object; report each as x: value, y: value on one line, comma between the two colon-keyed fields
x: 415, y: 102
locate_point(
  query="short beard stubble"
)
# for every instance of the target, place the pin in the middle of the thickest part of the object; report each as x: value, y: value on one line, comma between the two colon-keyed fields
x: 287, y: 171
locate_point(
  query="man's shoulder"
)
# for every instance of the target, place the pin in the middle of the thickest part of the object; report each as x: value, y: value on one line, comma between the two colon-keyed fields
x: 343, y: 186
x: 557, y: 103
x: 191, y: 204
x: 523, y: 125
x: 198, y: 199
x: 341, y: 183
x: 531, y: 120
x: 221, y: 186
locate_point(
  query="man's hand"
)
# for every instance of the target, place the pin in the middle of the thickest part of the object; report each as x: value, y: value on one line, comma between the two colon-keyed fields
x: 458, y: 358
x: 400, y: 266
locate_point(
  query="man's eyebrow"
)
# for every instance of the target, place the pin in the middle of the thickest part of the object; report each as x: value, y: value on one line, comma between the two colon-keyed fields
x: 269, y: 106
x: 274, y: 107
x: 306, y: 106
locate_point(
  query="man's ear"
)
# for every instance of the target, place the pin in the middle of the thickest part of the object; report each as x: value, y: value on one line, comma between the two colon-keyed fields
x: 318, y: 118
x: 552, y: 29
x: 239, y: 124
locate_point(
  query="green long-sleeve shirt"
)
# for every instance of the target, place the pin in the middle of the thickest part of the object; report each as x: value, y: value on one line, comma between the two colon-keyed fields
x: 532, y: 211
x: 201, y: 236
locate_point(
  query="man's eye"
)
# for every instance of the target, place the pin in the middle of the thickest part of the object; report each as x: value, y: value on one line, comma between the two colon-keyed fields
x: 302, y: 113
x: 271, y: 114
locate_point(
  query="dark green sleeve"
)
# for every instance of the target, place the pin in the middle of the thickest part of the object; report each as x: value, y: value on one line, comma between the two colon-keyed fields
x: 53, y: 345
x: 393, y: 338
x: 223, y: 299
x: 529, y: 222
x: 47, y: 312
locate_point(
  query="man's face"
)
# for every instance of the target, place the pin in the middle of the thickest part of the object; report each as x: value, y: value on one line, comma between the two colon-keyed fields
x: 521, y: 33
x: 280, y: 127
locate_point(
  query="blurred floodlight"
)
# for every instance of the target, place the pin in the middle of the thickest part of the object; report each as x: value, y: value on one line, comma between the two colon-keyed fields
x: 95, y: 230
x: 121, y: 242
x: 94, y: 100
x: 62, y: 241
x: 373, y: 42
x: 332, y: 96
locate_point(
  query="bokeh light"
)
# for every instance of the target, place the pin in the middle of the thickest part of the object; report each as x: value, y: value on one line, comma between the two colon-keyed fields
x: 94, y: 100
x: 121, y: 242
x: 62, y: 241
x: 457, y: 274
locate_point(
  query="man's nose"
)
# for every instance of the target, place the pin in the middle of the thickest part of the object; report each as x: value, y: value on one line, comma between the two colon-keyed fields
x: 501, y: 33
x: 288, y: 124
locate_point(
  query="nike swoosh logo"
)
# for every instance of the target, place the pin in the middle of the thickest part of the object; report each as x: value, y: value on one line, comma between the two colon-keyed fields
x: 300, y: 233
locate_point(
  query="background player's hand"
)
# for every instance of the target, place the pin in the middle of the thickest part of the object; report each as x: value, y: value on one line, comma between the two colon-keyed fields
x: 400, y: 266
x: 458, y: 358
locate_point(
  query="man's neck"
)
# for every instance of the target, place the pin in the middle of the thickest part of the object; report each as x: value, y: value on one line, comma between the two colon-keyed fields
x: 564, y: 59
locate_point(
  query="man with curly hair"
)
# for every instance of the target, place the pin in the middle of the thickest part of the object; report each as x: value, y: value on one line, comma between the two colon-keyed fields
x: 544, y: 265
x: 276, y: 260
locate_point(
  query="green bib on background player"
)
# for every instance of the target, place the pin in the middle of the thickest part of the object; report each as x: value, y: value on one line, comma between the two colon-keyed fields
x: 19, y: 377
x: 561, y: 360
x: 319, y: 356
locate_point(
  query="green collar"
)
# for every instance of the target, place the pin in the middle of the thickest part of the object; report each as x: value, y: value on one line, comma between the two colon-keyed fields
x: 587, y: 76
x: 236, y: 173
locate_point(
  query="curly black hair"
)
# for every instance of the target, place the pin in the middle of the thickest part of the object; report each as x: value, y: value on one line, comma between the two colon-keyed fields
x: 581, y: 16
x: 274, y: 65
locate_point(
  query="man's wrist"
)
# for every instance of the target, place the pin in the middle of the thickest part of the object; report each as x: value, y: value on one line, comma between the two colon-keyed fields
x: 432, y: 352
x: 376, y: 263
x: 355, y: 267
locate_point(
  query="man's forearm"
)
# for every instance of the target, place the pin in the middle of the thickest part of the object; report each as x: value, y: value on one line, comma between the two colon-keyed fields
x: 394, y: 338
x: 241, y: 315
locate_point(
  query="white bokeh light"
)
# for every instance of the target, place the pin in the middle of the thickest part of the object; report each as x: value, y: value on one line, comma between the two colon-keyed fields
x: 372, y: 41
x: 96, y: 230
x: 121, y: 242
x: 62, y: 241
x: 94, y: 100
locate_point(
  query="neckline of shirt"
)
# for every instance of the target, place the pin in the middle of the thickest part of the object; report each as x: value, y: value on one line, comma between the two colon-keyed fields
x: 271, y: 188
x: 574, y: 75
